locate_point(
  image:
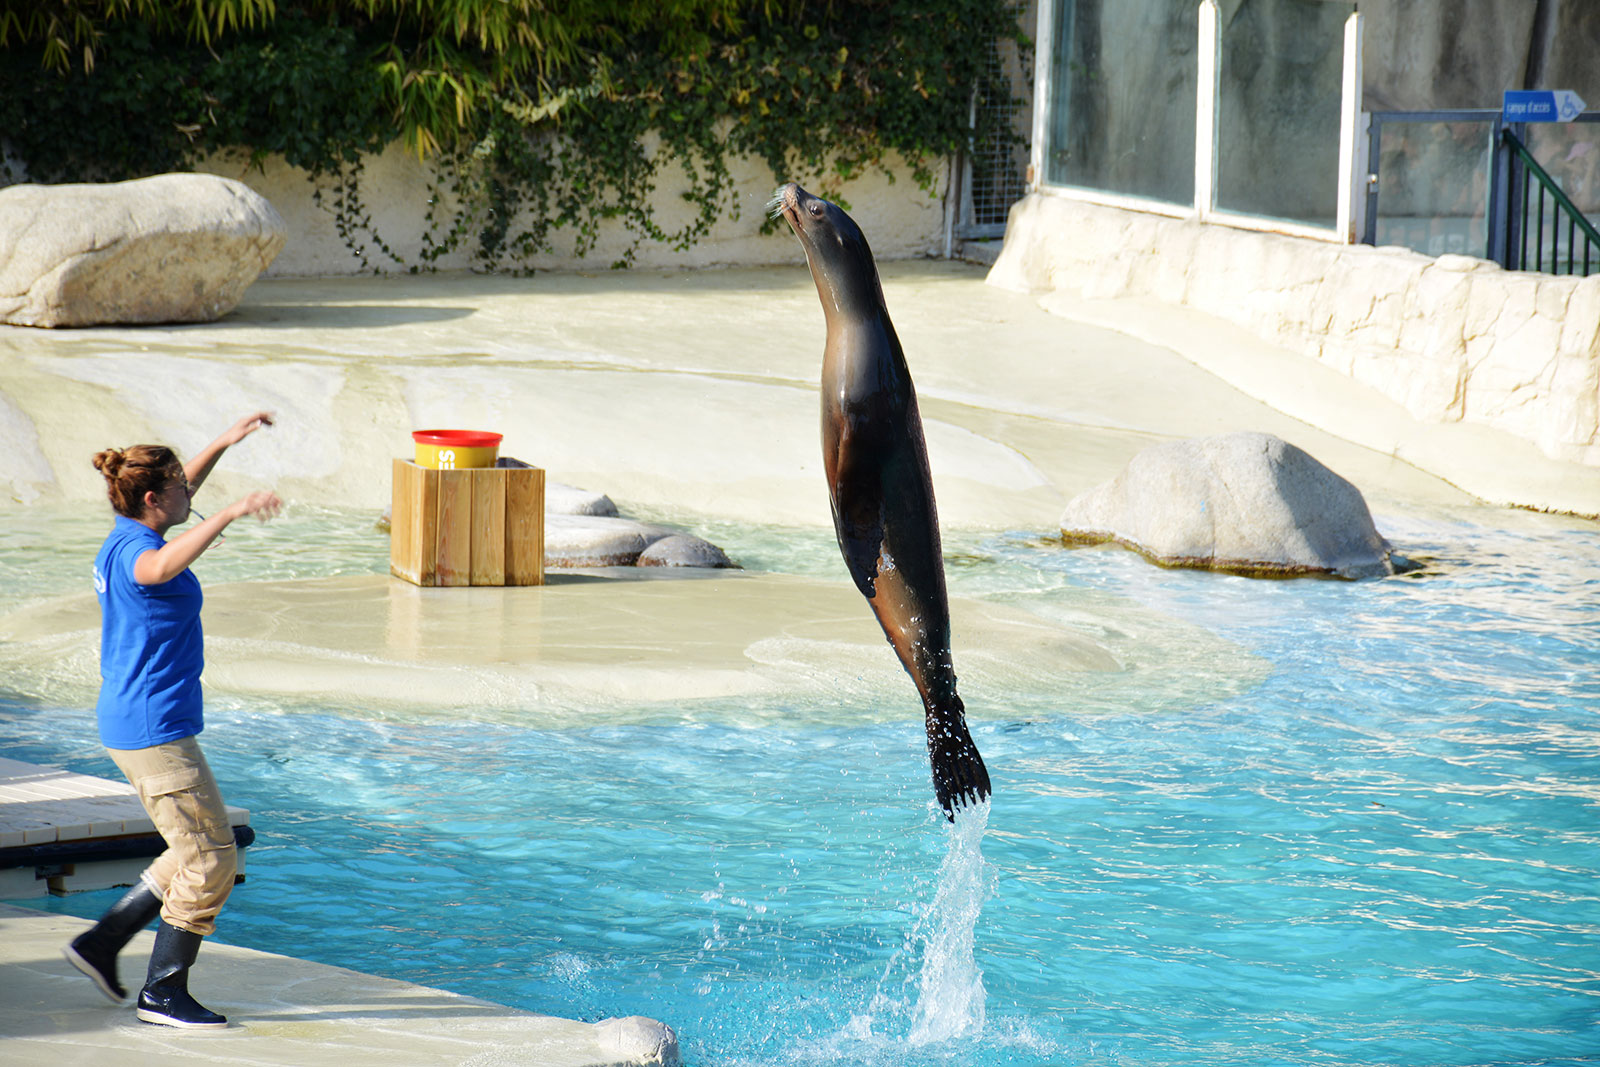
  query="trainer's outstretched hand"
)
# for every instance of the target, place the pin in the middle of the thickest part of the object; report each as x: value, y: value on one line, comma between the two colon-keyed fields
x: 245, y: 427
x: 263, y: 504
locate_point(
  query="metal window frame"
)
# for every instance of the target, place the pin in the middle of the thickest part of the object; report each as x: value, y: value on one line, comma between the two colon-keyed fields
x: 1350, y: 208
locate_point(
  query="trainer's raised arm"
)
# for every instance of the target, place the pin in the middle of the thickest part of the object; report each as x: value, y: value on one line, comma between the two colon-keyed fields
x: 198, y: 468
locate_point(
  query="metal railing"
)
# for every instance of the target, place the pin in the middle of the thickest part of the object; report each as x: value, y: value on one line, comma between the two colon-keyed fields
x: 1524, y: 205
x: 1520, y: 205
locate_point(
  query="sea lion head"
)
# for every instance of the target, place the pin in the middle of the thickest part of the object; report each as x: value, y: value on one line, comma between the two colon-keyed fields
x: 836, y: 250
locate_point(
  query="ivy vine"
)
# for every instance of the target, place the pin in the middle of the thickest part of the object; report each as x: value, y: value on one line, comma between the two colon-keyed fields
x: 536, y: 142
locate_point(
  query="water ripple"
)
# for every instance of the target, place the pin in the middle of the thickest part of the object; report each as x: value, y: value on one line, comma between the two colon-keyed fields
x: 1373, y: 840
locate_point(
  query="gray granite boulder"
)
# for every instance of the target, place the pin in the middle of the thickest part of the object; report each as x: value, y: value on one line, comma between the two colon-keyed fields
x: 583, y: 529
x: 684, y: 550
x: 1248, y: 503
x: 596, y: 540
x: 171, y: 248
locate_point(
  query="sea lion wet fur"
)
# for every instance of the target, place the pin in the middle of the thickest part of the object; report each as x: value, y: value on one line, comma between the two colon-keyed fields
x: 879, y: 482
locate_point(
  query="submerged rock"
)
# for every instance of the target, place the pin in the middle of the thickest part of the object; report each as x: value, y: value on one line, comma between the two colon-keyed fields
x: 596, y: 540
x: 1248, y: 503
x: 684, y: 550
x: 582, y: 529
x: 170, y: 248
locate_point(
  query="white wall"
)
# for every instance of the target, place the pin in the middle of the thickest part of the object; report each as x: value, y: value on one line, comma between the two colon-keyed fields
x: 907, y: 222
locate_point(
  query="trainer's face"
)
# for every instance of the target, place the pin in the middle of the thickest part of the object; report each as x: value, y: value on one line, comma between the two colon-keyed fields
x: 171, y: 505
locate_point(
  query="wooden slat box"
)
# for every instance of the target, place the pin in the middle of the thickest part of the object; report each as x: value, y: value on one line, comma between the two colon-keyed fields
x: 474, y: 526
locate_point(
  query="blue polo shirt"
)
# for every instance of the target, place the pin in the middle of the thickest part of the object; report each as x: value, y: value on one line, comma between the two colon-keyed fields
x: 151, y: 648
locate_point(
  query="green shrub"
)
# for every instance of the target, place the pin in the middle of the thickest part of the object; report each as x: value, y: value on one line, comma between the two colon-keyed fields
x: 540, y: 115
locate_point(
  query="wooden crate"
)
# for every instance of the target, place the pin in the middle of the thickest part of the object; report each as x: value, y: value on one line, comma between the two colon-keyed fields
x: 475, y: 526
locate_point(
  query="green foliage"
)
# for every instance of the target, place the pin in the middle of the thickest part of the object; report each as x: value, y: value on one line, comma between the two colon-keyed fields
x: 67, y: 31
x: 552, y: 117
x: 301, y: 90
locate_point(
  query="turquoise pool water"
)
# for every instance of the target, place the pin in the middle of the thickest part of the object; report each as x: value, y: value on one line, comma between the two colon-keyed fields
x: 1385, y: 848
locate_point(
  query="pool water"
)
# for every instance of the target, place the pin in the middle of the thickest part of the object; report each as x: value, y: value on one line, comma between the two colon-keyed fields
x: 1382, y: 847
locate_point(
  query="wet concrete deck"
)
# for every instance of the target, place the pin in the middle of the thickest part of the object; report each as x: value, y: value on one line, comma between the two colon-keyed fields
x: 282, y: 1011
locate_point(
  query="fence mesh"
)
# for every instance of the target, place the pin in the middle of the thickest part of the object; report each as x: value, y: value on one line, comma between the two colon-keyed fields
x: 995, y: 172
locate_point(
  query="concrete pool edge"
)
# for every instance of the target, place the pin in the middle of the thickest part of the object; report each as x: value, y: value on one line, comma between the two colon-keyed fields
x: 283, y: 1010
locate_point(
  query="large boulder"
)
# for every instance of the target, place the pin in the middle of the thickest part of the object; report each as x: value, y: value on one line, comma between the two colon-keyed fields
x: 172, y: 248
x: 1249, y: 503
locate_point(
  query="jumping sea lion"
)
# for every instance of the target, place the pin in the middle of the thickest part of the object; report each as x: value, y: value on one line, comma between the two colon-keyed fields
x: 879, y: 483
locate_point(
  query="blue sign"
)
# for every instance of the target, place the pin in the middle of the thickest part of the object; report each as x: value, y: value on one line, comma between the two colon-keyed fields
x: 1541, y: 105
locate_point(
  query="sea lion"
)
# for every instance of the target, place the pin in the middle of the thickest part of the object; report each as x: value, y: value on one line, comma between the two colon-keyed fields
x: 879, y: 482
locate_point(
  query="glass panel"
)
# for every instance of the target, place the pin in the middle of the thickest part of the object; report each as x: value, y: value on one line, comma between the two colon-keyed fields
x: 1122, y: 97
x: 1433, y: 186
x: 1280, y: 81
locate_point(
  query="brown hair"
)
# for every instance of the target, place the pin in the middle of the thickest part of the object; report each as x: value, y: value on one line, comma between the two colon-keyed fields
x: 133, y: 472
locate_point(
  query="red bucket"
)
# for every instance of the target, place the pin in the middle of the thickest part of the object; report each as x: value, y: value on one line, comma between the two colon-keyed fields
x: 453, y: 449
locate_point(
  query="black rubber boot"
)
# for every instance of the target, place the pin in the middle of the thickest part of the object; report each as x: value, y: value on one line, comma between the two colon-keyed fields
x: 94, y: 952
x: 165, y: 998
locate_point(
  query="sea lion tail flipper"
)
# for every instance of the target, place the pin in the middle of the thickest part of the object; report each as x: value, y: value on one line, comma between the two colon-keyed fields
x: 959, y: 776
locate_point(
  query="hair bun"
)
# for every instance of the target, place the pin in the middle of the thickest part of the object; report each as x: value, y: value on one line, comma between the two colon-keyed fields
x: 109, y: 462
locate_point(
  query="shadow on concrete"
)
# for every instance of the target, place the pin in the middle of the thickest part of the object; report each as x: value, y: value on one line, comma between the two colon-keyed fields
x: 332, y: 316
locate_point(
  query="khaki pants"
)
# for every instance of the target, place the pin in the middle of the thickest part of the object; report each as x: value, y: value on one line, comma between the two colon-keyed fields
x: 195, y: 874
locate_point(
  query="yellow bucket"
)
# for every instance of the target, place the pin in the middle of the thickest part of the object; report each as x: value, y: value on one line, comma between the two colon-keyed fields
x: 453, y: 449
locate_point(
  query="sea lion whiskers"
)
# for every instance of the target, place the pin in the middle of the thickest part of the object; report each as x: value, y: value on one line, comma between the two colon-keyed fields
x: 778, y: 202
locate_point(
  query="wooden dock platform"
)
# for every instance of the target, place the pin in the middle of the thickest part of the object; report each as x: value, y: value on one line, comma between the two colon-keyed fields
x: 62, y: 832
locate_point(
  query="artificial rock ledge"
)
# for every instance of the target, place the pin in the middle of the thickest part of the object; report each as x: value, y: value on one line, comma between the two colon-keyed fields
x: 1452, y: 339
x: 171, y: 248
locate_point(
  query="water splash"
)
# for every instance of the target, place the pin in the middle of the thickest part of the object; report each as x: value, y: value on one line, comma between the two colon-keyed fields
x: 950, y: 999
x: 939, y: 985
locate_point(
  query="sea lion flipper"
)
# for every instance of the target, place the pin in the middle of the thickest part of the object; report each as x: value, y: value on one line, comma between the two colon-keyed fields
x: 959, y: 775
x: 862, y: 547
x: 857, y: 493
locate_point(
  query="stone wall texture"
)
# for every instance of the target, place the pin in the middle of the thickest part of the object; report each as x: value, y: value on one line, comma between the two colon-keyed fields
x: 1452, y: 339
x: 1424, y: 54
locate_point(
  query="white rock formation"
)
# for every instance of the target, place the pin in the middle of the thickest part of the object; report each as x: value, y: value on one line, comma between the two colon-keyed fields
x: 582, y: 529
x: 1249, y: 503
x: 171, y: 248
x: 1453, y: 339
